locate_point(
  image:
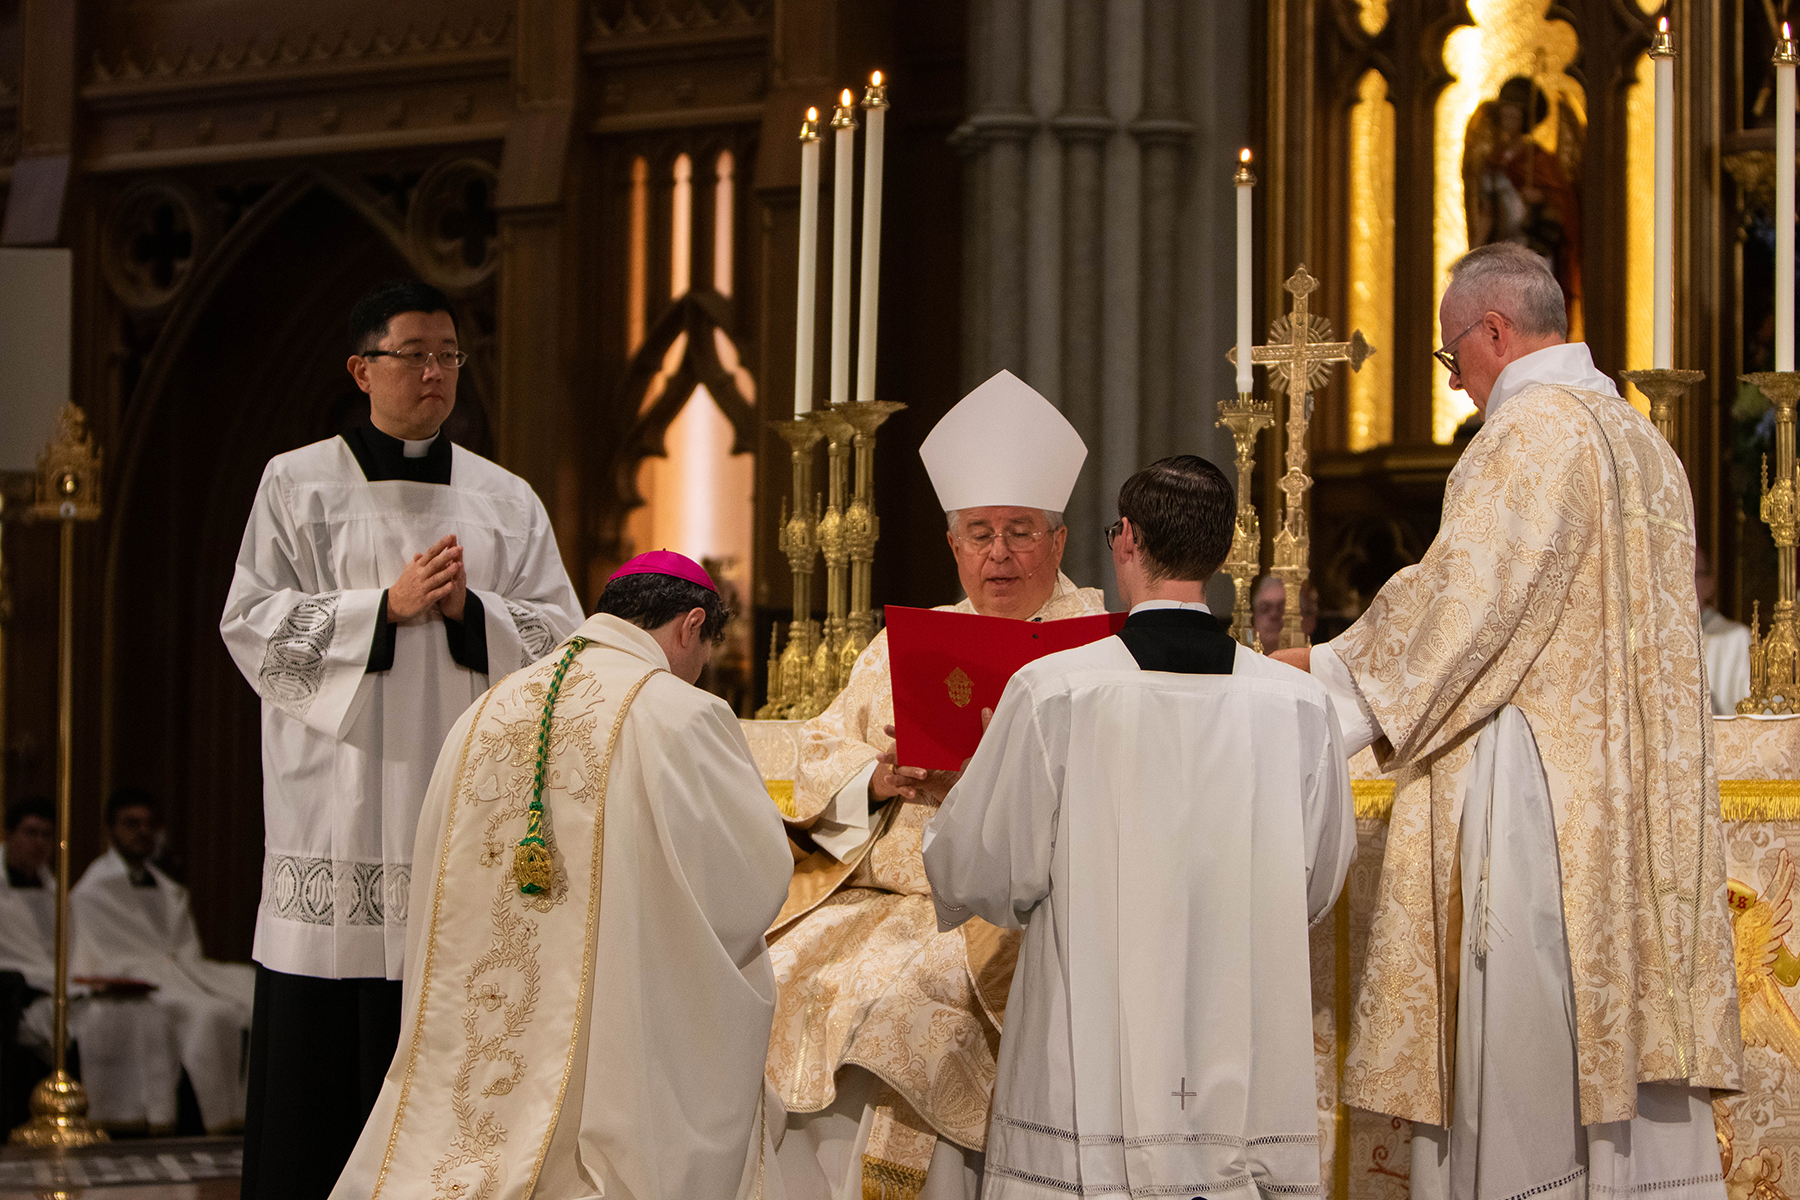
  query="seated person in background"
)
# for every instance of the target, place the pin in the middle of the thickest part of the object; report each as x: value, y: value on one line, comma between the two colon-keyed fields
x: 133, y: 921
x: 130, y: 1066
x: 1127, y: 800
x: 1724, y: 642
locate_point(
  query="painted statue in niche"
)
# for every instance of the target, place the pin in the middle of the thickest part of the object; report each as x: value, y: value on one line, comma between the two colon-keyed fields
x: 1520, y: 164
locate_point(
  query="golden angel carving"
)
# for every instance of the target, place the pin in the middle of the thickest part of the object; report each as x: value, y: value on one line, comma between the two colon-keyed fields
x: 1765, y: 966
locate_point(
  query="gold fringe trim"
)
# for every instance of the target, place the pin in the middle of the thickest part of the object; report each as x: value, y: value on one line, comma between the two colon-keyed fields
x: 782, y: 792
x: 1759, y: 799
x: 1374, y: 798
x: 1739, y: 799
x: 884, y: 1180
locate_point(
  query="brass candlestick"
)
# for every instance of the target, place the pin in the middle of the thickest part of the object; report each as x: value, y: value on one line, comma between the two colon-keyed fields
x: 1246, y: 417
x: 828, y: 675
x: 1775, y: 659
x: 799, y: 541
x: 68, y: 490
x: 1664, y: 387
x: 1299, y: 355
x: 862, y: 528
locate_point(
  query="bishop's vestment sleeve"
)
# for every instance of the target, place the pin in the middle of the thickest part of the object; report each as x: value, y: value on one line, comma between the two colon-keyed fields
x: 1329, y: 819
x: 303, y: 648
x: 988, y: 851
x: 530, y: 617
x: 1446, y: 643
x: 838, y: 749
x: 718, y: 824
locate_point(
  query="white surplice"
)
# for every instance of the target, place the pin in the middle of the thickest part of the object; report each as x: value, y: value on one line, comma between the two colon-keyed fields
x: 1726, y: 644
x: 130, y: 1064
x: 577, y: 1044
x: 347, y: 752
x: 149, y: 933
x: 1165, y: 840
x: 1515, y: 1121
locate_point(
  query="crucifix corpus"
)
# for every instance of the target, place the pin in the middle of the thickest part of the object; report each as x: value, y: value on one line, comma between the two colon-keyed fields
x: 1299, y: 355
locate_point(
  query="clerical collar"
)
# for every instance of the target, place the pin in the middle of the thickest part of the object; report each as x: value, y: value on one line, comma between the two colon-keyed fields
x: 1191, y: 605
x: 1567, y: 365
x: 382, y: 457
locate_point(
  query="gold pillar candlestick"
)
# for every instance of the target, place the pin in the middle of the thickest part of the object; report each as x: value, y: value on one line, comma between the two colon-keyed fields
x: 1299, y: 355
x: 1664, y: 387
x: 1775, y: 659
x: 799, y: 541
x: 68, y: 490
x: 827, y: 677
x: 1246, y: 417
x: 862, y: 528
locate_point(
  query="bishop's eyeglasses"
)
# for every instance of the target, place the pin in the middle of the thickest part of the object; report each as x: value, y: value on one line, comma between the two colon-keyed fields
x: 416, y: 360
x: 1017, y: 540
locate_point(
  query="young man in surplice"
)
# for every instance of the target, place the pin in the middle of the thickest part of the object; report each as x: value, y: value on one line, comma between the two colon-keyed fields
x: 1165, y: 812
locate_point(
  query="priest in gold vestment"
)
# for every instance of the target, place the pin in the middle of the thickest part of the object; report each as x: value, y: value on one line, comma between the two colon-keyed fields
x: 886, y: 1030
x: 1549, y: 991
x: 588, y: 991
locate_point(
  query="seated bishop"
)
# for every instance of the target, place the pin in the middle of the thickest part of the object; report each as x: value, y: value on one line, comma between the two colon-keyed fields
x: 588, y: 992
x: 1127, y: 798
x: 132, y: 920
x: 886, y: 1030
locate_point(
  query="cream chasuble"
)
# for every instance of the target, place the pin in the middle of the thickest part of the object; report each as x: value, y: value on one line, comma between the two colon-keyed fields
x: 148, y: 933
x: 1560, y: 584
x: 604, y: 1037
x: 1165, y: 840
x: 866, y: 978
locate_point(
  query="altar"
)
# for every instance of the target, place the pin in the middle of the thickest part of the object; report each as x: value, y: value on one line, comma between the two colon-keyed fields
x: 1367, y: 1155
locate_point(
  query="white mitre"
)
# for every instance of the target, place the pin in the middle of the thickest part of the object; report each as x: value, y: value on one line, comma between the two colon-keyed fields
x: 1003, y: 445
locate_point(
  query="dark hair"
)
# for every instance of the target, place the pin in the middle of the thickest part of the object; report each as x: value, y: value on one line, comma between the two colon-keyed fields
x: 1184, y: 514
x: 369, y: 317
x: 652, y: 601
x: 30, y: 806
x: 129, y: 797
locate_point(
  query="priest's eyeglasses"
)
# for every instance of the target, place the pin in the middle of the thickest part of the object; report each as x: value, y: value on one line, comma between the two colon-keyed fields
x: 1447, y: 353
x: 416, y: 360
x: 1017, y: 540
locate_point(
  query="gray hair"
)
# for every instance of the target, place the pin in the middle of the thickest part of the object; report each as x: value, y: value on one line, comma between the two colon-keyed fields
x: 953, y: 515
x: 1509, y: 279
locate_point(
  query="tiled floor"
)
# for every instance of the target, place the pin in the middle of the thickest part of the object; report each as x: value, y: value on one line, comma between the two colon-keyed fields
x: 161, y: 1169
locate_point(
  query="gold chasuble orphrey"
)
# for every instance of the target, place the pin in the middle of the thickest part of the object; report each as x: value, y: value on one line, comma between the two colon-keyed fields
x: 498, y: 1096
x: 1561, y: 582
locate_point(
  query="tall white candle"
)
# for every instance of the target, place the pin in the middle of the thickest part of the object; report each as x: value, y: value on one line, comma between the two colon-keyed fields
x: 1784, y: 201
x: 843, y: 185
x: 1245, y: 182
x: 806, y: 318
x: 1662, y: 50
x: 875, y: 113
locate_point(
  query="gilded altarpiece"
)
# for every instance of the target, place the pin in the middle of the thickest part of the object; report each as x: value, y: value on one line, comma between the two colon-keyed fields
x: 1400, y: 135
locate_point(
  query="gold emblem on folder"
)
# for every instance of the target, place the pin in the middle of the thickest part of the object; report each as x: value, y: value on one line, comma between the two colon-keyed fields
x: 962, y: 688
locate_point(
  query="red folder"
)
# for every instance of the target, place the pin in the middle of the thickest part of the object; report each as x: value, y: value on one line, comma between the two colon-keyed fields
x: 948, y: 666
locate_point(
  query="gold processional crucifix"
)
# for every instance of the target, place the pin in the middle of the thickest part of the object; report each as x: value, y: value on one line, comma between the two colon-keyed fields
x: 1299, y: 355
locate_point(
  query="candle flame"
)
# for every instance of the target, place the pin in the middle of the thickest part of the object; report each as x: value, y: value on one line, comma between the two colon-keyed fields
x: 1244, y: 155
x: 812, y: 114
x: 846, y: 100
x: 1785, y: 35
x: 875, y: 78
x: 1662, y: 26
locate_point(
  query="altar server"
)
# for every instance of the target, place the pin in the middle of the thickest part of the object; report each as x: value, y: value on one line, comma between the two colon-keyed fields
x: 386, y: 579
x: 588, y: 993
x: 1549, y: 992
x: 1127, y: 798
x: 130, y: 1064
x: 1726, y: 642
x: 133, y: 921
x: 884, y: 1036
